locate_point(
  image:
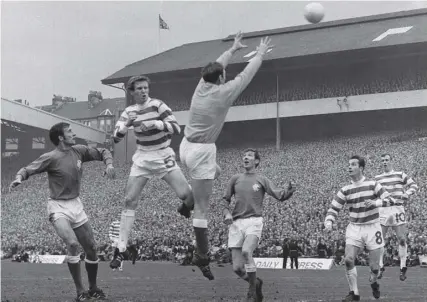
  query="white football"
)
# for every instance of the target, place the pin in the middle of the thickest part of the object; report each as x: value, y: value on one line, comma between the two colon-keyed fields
x: 314, y: 12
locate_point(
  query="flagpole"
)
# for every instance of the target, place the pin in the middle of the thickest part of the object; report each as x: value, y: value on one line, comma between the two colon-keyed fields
x: 158, y: 35
x: 158, y: 26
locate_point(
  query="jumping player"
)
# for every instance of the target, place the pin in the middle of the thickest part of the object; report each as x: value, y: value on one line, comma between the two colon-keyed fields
x: 245, y: 222
x: 364, y: 197
x: 65, y: 209
x: 154, y: 124
x: 394, y: 182
x: 210, y: 103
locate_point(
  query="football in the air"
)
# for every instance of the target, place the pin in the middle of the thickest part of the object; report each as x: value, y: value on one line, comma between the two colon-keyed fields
x: 314, y: 12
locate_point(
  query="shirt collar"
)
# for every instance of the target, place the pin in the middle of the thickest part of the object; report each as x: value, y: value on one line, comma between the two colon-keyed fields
x: 359, y: 181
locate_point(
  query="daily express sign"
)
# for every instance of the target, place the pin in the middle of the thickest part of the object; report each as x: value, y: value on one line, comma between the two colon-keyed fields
x: 303, y: 263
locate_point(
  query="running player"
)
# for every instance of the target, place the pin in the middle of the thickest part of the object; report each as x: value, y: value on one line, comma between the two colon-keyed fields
x: 154, y: 124
x: 65, y: 209
x: 245, y: 222
x: 364, y: 197
x: 209, y: 106
x: 394, y: 182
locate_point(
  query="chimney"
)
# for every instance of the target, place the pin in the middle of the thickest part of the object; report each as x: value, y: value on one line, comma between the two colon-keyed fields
x: 94, y: 98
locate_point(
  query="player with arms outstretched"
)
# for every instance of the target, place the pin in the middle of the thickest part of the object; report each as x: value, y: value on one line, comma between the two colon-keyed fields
x: 395, y: 182
x: 364, y: 197
x: 210, y: 103
x: 246, y: 222
x: 64, y: 169
x: 154, y: 124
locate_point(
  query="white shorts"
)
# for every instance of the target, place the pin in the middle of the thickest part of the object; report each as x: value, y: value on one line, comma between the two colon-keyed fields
x: 365, y: 234
x: 151, y: 164
x: 392, y: 216
x: 71, y: 209
x: 200, y: 159
x: 240, y: 228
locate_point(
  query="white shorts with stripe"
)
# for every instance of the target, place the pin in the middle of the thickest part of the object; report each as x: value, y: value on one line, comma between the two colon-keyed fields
x: 365, y: 234
x: 151, y: 164
x: 392, y: 216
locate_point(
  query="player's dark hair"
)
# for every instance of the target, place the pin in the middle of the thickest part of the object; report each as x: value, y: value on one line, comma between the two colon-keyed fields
x: 361, y: 161
x: 131, y: 83
x: 56, y: 131
x: 386, y: 154
x: 256, y: 155
x: 130, y: 86
x: 212, y: 71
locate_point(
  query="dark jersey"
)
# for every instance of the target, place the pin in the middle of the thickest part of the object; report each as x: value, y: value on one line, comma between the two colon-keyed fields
x: 64, y: 169
x: 249, y: 190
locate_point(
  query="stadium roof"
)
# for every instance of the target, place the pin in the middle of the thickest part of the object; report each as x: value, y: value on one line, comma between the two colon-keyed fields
x: 361, y: 33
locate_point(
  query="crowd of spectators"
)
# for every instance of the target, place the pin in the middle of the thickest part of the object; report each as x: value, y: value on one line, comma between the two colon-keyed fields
x: 312, y: 83
x: 318, y: 167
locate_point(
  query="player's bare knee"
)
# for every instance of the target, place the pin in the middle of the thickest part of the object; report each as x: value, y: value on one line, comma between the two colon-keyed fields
x: 239, y: 269
x: 402, y: 241
x: 90, y: 251
x: 246, y: 254
x: 131, y: 203
x: 349, y: 262
x: 73, y: 247
x: 184, y: 194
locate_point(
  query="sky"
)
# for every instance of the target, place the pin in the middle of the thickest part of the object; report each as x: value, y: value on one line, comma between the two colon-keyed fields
x: 66, y: 48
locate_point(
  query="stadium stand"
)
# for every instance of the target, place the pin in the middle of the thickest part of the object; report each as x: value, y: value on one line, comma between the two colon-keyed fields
x: 400, y: 74
x: 318, y: 166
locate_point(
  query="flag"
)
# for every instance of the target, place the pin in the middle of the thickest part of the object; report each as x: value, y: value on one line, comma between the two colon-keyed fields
x: 162, y: 23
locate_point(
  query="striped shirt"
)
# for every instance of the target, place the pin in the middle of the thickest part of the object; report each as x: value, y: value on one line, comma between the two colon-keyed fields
x: 210, y: 102
x: 114, y: 230
x: 395, y: 182
x: 355, y: 195
x: 152, y: 110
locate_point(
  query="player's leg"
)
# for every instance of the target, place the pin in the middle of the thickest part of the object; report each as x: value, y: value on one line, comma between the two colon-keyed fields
x: 116, y: 254
x: 188, y: 203
x: 354, y: 244
x: 200, y: 160
x: 351, y: 252
x: 202, y: 190
x: 375, y: 245
x: 85, y: 236
x: 63, y: 228
x: 239, y: 263
x: 177, y: 181
x: 384, y: 230
x: 134, y: 187
x: 235, y: 244
x: 401, y: 232
x: 255, y: 284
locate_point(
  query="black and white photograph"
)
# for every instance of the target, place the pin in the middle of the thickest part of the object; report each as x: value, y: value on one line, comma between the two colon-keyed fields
x: 213, y: 151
